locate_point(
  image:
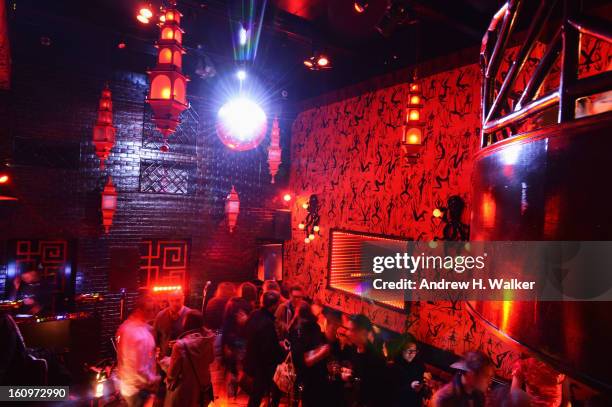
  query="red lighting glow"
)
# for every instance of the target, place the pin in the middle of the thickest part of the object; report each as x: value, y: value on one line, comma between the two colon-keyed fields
x: 4, y: 179
x: 166, y: 288
x: 287, y: 197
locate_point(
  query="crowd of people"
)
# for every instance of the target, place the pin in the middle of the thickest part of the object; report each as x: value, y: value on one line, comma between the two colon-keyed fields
x: 265, y: 340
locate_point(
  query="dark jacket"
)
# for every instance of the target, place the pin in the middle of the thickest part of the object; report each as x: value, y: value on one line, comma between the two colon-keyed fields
x: 191, y: 356
x: 370, y: 376
x: 263, y: 351
x: 403, y: 374
x: 213, y: 317
x: 453, y: 394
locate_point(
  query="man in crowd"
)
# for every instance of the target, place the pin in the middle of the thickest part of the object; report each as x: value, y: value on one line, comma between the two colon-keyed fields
x: 468, y: 387
x: 136, y: 355
x: 286, y: 311
x: 263, y: 349
x: 368, y: 369
x: 168, y: 324
x: 33, y: 290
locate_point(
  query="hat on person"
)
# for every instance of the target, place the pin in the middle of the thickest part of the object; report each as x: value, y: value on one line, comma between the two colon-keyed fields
x: 472, y: 361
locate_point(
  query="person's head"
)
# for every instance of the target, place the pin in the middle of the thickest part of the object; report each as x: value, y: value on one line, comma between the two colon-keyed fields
x: 317, y: 307
x: 304, y: 313
x: 334, y: 321
x: 194, y: 321
x: 409, y: 348
x: 296, y: 295
x: 225, y: 290
x: 270, y: 301
x: 271, y: 285
x: 359, y: 329
x: 248, y: 291
x: 144, y: 308
x: 476, y: 370
x: 30, y: 276
x: 176, y: 300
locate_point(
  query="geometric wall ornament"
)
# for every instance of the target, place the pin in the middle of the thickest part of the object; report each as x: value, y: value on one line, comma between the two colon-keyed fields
x: 167, y: 177
x: 164, y: 262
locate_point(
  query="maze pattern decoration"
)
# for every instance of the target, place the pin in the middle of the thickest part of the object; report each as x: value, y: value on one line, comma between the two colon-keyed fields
x: 49, y: 257
x: 164, y: 262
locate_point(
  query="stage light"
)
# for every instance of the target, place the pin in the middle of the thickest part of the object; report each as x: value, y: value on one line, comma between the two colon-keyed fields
x: 241, y: 75
x: 322, y: 61
x: 242, y: 35
x: 241, y: 124
x: 360, y: 6
x: 146, y: 12
x: 286, y: 197
x: 142, y: 19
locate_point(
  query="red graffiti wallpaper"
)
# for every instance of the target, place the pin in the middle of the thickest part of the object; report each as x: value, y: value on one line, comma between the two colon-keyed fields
x: 348, y: 153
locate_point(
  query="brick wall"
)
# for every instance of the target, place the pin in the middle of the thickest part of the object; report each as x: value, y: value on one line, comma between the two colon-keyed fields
x: 53, y: 104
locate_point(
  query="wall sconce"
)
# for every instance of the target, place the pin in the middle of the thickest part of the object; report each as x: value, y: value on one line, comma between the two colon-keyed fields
x: 310, y: 225
x: 412, y: 137
x: 232, y: 209
x: 109, y: 205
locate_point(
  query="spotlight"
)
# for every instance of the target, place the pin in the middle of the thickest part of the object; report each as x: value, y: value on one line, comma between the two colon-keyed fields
x: 360, y: 6
x: 241, y: 74
x: 146, y: 12
x: 242, y: 35
x: 322, y: 61
x: 241, y: 124
x: 142, y: 19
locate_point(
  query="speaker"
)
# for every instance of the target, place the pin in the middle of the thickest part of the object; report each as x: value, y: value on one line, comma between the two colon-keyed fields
x: 282, y: 224
x: 124, y: 266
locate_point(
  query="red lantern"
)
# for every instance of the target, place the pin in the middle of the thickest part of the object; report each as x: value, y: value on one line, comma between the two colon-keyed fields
x: 412, y: 138
x: 104, y: 131
x: 274, y: 151
x: 168, y: 92
x: 109, y: 204
x: 232, y: 209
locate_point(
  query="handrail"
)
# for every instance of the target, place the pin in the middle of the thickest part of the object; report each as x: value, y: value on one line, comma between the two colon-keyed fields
x: 566, y: 42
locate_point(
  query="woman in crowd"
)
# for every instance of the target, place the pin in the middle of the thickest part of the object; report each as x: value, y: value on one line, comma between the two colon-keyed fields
x: 188, y: 375
x: 407, y: 374
x: 545, y: 386
x: 309, y: 352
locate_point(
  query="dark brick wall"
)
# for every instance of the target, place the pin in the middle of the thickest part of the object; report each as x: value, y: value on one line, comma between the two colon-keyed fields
x: 53, y: 101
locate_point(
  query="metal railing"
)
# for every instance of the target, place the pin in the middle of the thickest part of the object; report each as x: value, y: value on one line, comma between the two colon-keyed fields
x: 503, y: 109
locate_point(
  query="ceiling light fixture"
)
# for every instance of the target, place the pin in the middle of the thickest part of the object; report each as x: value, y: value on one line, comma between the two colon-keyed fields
x: 317, y: 62
x: 360, y: 6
